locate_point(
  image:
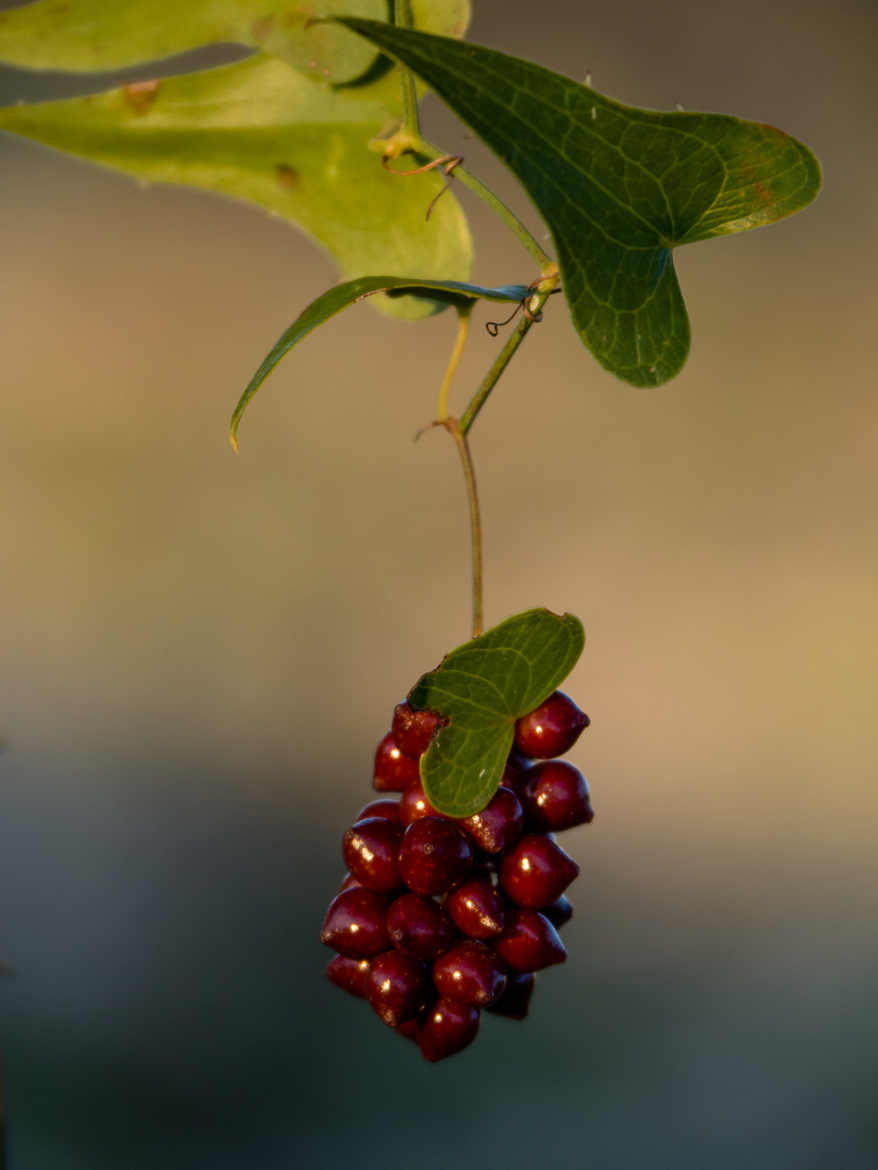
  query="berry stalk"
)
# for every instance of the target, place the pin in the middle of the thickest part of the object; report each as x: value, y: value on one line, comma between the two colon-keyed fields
x: 475, y: 521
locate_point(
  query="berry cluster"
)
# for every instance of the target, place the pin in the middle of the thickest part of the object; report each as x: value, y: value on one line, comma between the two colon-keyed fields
x: 438, y: 918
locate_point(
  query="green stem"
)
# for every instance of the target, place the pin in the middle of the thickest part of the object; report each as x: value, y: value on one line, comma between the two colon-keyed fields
x: 546, y: 264
x: 534, y: 306
x: 475, y: 519
x: 411, y: 121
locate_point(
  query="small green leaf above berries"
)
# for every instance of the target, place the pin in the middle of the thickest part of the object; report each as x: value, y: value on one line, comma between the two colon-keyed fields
x: 619, y: 187
x: 482, y: 687
x: 342, y: 295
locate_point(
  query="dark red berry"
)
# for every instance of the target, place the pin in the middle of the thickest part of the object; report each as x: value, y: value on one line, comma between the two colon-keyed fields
x: 515, y: 773
x: 388, y: 809
x: 434, y: 855
x: 536, y: 871
x: 469, y: 973
x: 559, y: 912
x: 448, y: 1027
x: 409, y: 1029
x: 515, y: 1000
x: 371, y: 848
x: 477, y: 908
x: 355, y: 923
x: 556, y: 796
x: 550, y: 729
x: 413, y: 804
x: 413, y: 730
x: 498, y: 824
x: 393, y: 770
x: 419, y: 927
x: 349, y: 974
x: 397, y: 987
x: 529, y: 942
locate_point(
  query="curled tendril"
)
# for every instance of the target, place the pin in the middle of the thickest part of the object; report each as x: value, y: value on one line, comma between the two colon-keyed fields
x: 448, y: 162
x: 492, y: 328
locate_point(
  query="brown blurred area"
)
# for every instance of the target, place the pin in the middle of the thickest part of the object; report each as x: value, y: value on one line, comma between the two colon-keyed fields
x: 200, y: 651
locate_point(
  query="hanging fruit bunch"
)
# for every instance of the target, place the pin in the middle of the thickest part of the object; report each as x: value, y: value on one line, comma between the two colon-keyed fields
x: 440, y: 916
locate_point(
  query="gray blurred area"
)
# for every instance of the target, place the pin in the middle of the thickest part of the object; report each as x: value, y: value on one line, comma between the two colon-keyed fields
x: 199, y: 653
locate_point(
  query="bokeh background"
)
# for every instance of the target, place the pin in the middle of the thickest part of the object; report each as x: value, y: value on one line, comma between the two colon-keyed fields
x: 199, y: 653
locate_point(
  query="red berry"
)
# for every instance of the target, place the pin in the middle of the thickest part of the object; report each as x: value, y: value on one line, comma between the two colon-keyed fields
x: 447, y: 1028
x: 370, y: 852
x: 413, y: 730
x: 469, y: 973
x: 515, y: 773
x: 396, y: 987
x: 388, y: 809
x: 413, y: 804
x: 477, y: 908
x: 393, y: 771
x: 515, y: 1000
x: 529, y: 942
x: 349, y: 974
x: 558, y: 913
x: 550, y: 729
x: 498, y: 824
x: 419, y: 927
x: 556, y: 796
x: 536, y: 871
x: 434, y: 855
x: 409, y: 1029
x: 355, y: 924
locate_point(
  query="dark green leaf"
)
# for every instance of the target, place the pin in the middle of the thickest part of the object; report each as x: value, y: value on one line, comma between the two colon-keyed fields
x: 482, y: 687
x: 619, y: 187
x: 338, y: 298
x: 263, y: 132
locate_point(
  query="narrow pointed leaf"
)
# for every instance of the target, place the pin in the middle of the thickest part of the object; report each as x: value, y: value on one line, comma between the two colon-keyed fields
x: 619, y: 187
x: 482, y: 687
x: 95, y: 35
x: 260, y: 131
x: 343, y: 295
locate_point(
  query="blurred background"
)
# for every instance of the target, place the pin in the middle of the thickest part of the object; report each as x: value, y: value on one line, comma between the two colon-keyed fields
x: 200, y: 652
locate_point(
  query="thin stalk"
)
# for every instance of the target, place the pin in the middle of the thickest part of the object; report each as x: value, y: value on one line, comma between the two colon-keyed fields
x: 463, y: 319
x: 533, y: 308
x: 411, y: 119
x: 475, y: 520
x: 546, y: 264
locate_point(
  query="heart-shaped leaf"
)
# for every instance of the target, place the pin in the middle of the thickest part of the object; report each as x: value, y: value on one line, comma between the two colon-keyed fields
x: 260, y: 131
x: 482, y: 687
x: 442, y: 292
x: 619, y: 187
x: 95, y: 35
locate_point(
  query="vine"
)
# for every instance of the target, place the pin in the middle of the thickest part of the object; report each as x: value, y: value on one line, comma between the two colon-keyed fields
x: 296, y: 128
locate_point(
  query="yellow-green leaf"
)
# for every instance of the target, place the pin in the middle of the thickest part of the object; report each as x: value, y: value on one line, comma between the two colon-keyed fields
x: 96, y: 35
x: 262, y: 132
